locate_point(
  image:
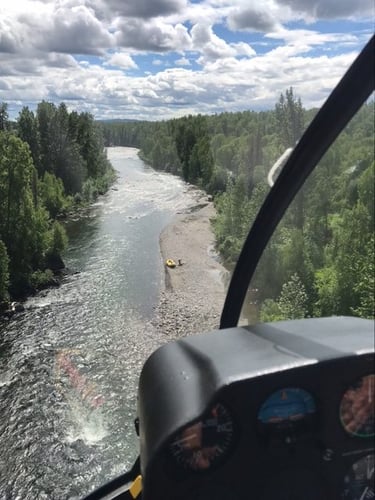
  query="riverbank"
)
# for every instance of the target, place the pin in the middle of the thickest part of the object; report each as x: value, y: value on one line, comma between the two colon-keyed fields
x: 194, y: 292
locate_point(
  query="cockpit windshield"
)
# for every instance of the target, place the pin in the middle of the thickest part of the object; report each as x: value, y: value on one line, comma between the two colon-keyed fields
x: 320, y: 260
x: 138, y: 141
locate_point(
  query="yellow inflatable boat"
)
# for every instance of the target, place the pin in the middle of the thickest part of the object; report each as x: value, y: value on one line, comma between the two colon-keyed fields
x: 170, y: 263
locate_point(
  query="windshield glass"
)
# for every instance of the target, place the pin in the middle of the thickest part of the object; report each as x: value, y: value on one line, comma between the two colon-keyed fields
x: 320, y: 260
x: 136, y: 144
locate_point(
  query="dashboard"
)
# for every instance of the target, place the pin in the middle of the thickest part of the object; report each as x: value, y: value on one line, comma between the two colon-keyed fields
x: 271, y: 412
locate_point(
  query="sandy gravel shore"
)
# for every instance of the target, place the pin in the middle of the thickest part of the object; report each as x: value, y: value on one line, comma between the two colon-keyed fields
x: 194, y: 292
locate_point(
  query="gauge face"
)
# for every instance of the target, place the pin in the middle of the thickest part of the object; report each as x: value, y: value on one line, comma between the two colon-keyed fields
x: 359, y: 482
x: 357, y: 408
x: 287, y: 405
x: 205, y: 443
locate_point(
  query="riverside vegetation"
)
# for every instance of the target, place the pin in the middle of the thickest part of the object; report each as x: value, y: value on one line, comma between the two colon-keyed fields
x: 51, y: 162
x: 321, y: 259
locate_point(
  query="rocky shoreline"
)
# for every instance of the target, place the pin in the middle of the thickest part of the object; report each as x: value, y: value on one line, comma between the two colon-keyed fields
x: 194, y: 292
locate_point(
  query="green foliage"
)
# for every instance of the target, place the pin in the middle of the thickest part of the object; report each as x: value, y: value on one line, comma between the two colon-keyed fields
x: 28, y: 131
x: 326, y: 237
x: 71, y: 146
x: 4, y: 123
x: 20, y: 218
x: 291, y: 304
x: 4, y: 272
x: 218, y: 181
x: 326, y: 284
x: 270, y: 311
x: 89, y: 191
x: 59, y: 240
x: 289, y: 116
x: 293, y: 299
x: 52, y: 194
x: 40, y: 279
x: 364, y: 286
x: 44, y: 164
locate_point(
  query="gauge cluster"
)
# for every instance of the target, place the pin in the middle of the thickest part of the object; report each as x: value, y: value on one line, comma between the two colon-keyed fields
x: 357, y: 407
x: 205, y: 443
x: 276, y: 424
x: 287, y: 406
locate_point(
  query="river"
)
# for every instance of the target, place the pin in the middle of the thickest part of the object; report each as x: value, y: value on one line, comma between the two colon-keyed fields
x: 69, y: 364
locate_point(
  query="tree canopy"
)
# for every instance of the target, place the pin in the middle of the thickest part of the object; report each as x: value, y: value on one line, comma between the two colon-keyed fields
x: 46, y: 161
x: 323, y: 250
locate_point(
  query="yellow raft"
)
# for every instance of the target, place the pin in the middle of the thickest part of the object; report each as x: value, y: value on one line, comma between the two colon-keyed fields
x: 170, y: 263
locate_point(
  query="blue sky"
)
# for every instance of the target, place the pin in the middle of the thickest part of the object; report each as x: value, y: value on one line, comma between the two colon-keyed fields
x: 156, y: 59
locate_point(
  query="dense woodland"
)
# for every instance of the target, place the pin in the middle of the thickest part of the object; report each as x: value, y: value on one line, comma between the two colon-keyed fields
x: 51, y: 162
x: 321, y: 259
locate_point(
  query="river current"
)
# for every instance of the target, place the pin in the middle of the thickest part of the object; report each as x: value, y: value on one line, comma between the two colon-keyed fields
x: 69, y: 364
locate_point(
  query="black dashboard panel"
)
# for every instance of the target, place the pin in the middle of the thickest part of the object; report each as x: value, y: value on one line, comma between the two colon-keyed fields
x: 262, y: 412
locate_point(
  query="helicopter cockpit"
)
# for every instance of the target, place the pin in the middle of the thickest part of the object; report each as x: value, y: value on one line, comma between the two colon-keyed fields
x: 285, y: 408
x: 279, y: 410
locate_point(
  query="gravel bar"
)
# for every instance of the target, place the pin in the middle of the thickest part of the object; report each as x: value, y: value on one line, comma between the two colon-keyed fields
x: 194, y: 292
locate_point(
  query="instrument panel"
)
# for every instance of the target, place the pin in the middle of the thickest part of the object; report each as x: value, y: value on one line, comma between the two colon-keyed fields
x: 205, y: 443
x: 288, y: 424
x: 301, y: 430
x: 357, y: 407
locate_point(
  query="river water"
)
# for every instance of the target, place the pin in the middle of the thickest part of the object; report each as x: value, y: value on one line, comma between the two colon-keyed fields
x: 69, y: 364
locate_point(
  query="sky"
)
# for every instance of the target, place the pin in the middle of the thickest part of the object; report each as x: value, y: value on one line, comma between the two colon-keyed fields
x: 158, y: 59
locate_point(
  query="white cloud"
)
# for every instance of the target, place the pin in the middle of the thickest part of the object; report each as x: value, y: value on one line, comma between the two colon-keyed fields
x: 223, y: 84
x: 299, y: 42
x: 154, y: 36
x: 40, y: 40
x: 212, y: 47
x: 252, y: 19
x: 183, y: 61
x: 121, y: 60
x: 243, y: 49
x: 331, y: 9
x: 53, y: 27
x: 145, y: 9
x: 73, y: 30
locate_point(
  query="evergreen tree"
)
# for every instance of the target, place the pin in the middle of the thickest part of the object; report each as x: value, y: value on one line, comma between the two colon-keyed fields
x: 19, y: 218
x: 4, y: 123
x: 28, y: 131
x: 4, y: 273
x: 289, y: 117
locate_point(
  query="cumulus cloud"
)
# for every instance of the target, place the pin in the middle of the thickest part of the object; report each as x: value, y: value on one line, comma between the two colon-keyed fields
x: 331, y: 9
x: 121, y: 60
x: 145, y: 9
x: 212, y: 47
x: 154, y: 36
x: 40, y: 40
x: 24, y: 66
x: 53, y: 27
x: 73, y: 30
x: 183, y: 61
x: 223, y: 84
x: 8, y: 39
x: 300, y: 38
x: 251, y: 19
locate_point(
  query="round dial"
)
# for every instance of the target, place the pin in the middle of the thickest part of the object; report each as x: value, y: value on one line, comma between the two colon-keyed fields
x: 204, y: 443
x: 359, y: 482
x: 287, y: 405
x: 357, y: 408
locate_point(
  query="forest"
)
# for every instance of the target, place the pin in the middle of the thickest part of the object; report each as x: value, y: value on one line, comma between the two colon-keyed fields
x: 320, y: 261
x: 51, y: 162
